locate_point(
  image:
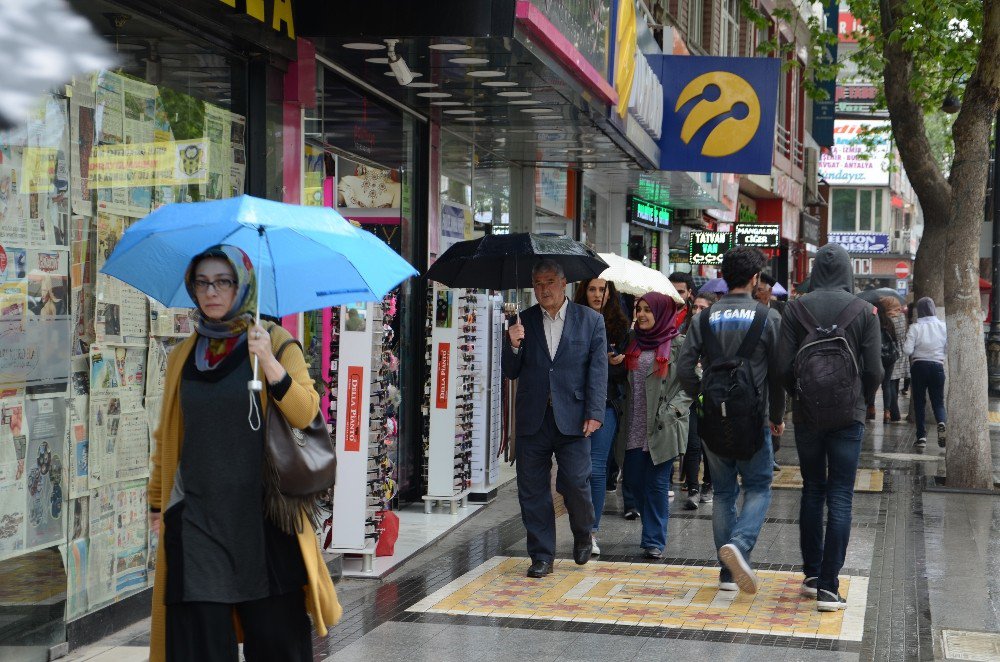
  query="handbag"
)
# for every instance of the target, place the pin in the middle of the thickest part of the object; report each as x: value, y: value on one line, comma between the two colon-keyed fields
x: 302, y: 464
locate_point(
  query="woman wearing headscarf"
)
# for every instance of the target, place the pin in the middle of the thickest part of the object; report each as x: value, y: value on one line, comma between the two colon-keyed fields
x: 602, y: 296
x: 236, y: 561
x: 893, y: 324
x: 927, y: 345
x: 655, y: 422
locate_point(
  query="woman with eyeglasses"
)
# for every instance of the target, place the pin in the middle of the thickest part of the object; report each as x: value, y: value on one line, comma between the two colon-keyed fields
x: 602, y: 296
x: 234, y: 551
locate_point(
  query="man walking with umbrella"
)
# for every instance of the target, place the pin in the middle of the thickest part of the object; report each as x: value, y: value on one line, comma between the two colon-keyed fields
x: 557, y: 351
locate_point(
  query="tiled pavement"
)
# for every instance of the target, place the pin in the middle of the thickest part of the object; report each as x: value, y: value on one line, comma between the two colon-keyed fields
x: 922, y: 578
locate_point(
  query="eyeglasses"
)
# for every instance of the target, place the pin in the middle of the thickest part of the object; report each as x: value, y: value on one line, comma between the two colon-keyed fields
x: 222, y: 286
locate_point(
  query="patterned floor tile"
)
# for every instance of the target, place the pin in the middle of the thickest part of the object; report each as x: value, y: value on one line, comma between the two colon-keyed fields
x: 790, y: 477
x: 643, y: 594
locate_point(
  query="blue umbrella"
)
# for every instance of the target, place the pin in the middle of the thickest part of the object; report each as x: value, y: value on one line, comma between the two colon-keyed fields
x: 306, y: 258
x: 716, y: 285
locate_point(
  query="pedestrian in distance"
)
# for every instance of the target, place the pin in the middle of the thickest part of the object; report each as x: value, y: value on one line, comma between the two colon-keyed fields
x: 602, y: 296
x: 558, y: 352
x: 693, y: 465
x: 926, y: 346
x: 654, y: 426
x: 893, y: 325
x: 740, y: 404
x: 831, y: 361
x: 241, y: 558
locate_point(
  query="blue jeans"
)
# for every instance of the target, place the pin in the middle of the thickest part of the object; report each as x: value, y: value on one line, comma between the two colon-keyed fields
x: 756, y: 473
x: 829, y: 464
x: 927, y: 377
x: 650, y: 486
x: 600, y: 447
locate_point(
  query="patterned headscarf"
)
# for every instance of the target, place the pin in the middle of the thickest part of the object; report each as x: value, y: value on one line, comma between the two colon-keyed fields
x: 216, y: 339
x: 665, y: 321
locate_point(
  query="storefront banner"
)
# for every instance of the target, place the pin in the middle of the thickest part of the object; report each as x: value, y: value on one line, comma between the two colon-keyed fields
x: 851, y: 161
x: 719, y: 113
x: 758, y: 235
x: 861, y: 242
x: 709, y: 247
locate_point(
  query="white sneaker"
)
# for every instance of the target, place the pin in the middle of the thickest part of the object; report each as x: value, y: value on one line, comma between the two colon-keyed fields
x: 728, y: 586
x: 670, y: 494
x: 594, y: 549
x: 921, y: 442
x: 741, y: 571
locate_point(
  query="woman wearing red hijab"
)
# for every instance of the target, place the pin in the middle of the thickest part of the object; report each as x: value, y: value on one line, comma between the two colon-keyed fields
x: 655, y: 423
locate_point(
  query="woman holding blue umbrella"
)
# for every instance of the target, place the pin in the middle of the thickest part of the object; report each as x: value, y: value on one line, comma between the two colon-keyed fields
x: 227, y: 551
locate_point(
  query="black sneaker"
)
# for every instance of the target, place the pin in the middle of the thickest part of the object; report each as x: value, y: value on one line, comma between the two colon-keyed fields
x: 809, y: 587
x: 692, y: 500
x: 631, y: 514
x: 921, y: 442
x: 829, y: 601
x: 942, y: 434
x: 706, y: 494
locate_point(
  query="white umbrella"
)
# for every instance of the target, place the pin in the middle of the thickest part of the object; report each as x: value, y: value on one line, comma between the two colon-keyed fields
x: 631, y: 277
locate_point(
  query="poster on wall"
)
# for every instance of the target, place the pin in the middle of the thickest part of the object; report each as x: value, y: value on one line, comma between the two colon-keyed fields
x: 13, y: 472
x: 46, y: 471
x: 82, y: 137
x: 362, y: 186
x: 79, y: 440
x: 118, y: 433
x: 454, y: 219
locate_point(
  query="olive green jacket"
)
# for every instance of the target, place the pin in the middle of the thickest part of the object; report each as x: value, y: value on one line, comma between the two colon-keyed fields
x: 667, y: 410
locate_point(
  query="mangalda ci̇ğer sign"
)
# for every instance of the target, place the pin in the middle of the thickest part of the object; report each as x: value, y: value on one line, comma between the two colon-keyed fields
x: 758, y: 235
x: 709, y: 247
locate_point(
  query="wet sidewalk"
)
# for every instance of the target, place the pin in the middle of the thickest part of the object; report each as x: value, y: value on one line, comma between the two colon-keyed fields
x: 922, y: 580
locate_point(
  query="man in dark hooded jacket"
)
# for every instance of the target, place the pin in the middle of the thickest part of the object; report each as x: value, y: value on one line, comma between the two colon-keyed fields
x: 829, y: 460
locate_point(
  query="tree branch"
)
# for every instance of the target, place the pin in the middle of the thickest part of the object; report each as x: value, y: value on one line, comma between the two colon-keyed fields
x: 979, y: 104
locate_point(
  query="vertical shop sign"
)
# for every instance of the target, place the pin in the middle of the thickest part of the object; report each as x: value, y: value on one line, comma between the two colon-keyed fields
x: 823, y: 109
x: 352, y: 435
x: 441, y: 384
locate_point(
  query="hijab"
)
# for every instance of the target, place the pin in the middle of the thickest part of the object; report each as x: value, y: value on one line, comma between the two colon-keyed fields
x: 217, y: 338
x: 926, y: 308
x: 665, y: 320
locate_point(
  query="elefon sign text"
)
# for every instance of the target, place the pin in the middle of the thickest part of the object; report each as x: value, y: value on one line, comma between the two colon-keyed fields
x: 648, y: 214
x: 861, y: 242
x: 758, y: 235
x: 709, y: 247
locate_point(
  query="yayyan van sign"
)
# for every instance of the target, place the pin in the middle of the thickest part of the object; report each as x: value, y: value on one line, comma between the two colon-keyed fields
x: 846, y: 164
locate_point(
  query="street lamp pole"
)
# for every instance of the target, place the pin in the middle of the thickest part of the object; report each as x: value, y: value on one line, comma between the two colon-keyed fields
x: 993, y: 337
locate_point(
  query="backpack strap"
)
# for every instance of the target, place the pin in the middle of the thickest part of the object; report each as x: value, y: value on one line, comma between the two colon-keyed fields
x: 754, y: 333
x: 850, y: 312
x: 713, y: 350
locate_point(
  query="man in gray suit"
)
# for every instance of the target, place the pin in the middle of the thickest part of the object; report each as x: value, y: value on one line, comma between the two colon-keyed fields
x: 557, y: 351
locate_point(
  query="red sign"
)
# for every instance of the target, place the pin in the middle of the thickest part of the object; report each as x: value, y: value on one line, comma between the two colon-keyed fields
x: 902, y: 270
x: 352, y: 433
x: 3, y: 260
x: 846, y: 26
x: 441, y: 384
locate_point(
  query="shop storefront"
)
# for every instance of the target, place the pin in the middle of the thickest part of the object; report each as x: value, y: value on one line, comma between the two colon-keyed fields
x: 184, y: 118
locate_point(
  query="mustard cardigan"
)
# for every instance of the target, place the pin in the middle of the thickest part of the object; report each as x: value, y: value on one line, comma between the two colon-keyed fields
x: 299, y: 407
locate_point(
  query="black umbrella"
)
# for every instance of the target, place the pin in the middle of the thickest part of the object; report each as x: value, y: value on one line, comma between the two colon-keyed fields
x: 874, y: 295
x: 504, y: 261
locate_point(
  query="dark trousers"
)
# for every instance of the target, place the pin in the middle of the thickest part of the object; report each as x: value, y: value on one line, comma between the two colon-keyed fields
x: 928, y: 379
x: 829, y: 465
x: 275, y: 629
x: 890, y: 396
x: 534, y: 486
x: 693, y: 455
x: 650, y: 487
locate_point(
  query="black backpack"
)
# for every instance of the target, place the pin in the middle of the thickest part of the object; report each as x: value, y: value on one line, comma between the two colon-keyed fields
x: 890, y: 353
x: 731, y: 406
x: 827, y: 379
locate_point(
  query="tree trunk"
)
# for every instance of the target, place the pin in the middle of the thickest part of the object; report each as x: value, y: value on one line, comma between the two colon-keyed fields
x: 928, y: 267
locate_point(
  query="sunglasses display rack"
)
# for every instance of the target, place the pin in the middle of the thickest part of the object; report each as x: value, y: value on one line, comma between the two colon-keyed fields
x: 450, y: 406
x: 364, y: 482
x: 483, y: 340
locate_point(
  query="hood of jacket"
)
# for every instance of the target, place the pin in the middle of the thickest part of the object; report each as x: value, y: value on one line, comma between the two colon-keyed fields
x: 832, y: 269
x: 926, y: 308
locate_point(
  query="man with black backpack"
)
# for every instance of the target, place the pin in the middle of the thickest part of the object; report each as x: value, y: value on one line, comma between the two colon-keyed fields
x: 740, y: 404
x: 831, y: 362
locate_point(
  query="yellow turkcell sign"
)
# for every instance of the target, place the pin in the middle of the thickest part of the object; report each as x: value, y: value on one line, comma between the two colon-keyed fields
x: 281, y: 14
x: 625, y: 48
x: 721, y: 93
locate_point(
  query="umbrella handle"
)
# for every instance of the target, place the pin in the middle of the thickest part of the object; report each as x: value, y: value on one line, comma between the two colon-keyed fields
x: 255, y: 385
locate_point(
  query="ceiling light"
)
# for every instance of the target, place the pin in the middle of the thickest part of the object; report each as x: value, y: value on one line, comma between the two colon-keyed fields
x: 524, y: 102
x: 460, y: 111
x: 444, y: 103
x: 397, y: 66
x: 433, y: 95
x: 424, y: 85
x: 536, y: 110
x: 468, y: 119
x: 500, y: 83
x: 485, y: 73
x: 469, y: 60
x: 364, y: 46
x: 513, y: 94
x: 415, y: 74
x: 449, y: 47
x: 377, y: 60
x: 546, y: 117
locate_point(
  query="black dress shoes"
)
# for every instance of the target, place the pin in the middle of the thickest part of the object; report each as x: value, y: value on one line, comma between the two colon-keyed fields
x: 582, y: 550
x: 540, y: 569
x: 652, y: 553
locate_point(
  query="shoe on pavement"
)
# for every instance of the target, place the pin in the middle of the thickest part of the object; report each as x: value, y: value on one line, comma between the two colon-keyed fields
x: 921, y: 442
x: 743, y: 574
x: 942, y: 434
x: 594, y: 549
x: 692, y: 501
x: 726, y: 582
x: 670, y: 494
x: 539, y: 569
x: 809, y: 587
x: 775, y: 467
x: 652, y: 553
x: 631, y: 514
x: 706, y: 494
x: 829, y: 601
x: 581, y: 551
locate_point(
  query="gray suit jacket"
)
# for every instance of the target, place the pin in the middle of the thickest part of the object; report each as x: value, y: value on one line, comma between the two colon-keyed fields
x: 576, y: 379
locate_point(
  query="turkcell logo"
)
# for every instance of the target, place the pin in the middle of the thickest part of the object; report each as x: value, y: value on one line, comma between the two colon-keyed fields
x: 720, y: 113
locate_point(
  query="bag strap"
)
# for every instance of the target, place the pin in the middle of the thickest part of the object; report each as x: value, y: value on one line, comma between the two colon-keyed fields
x: 713, y: 350
x: 850, y: 312
x: 804, y: 317
x: 754, y: 333
x: 281, y: 349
